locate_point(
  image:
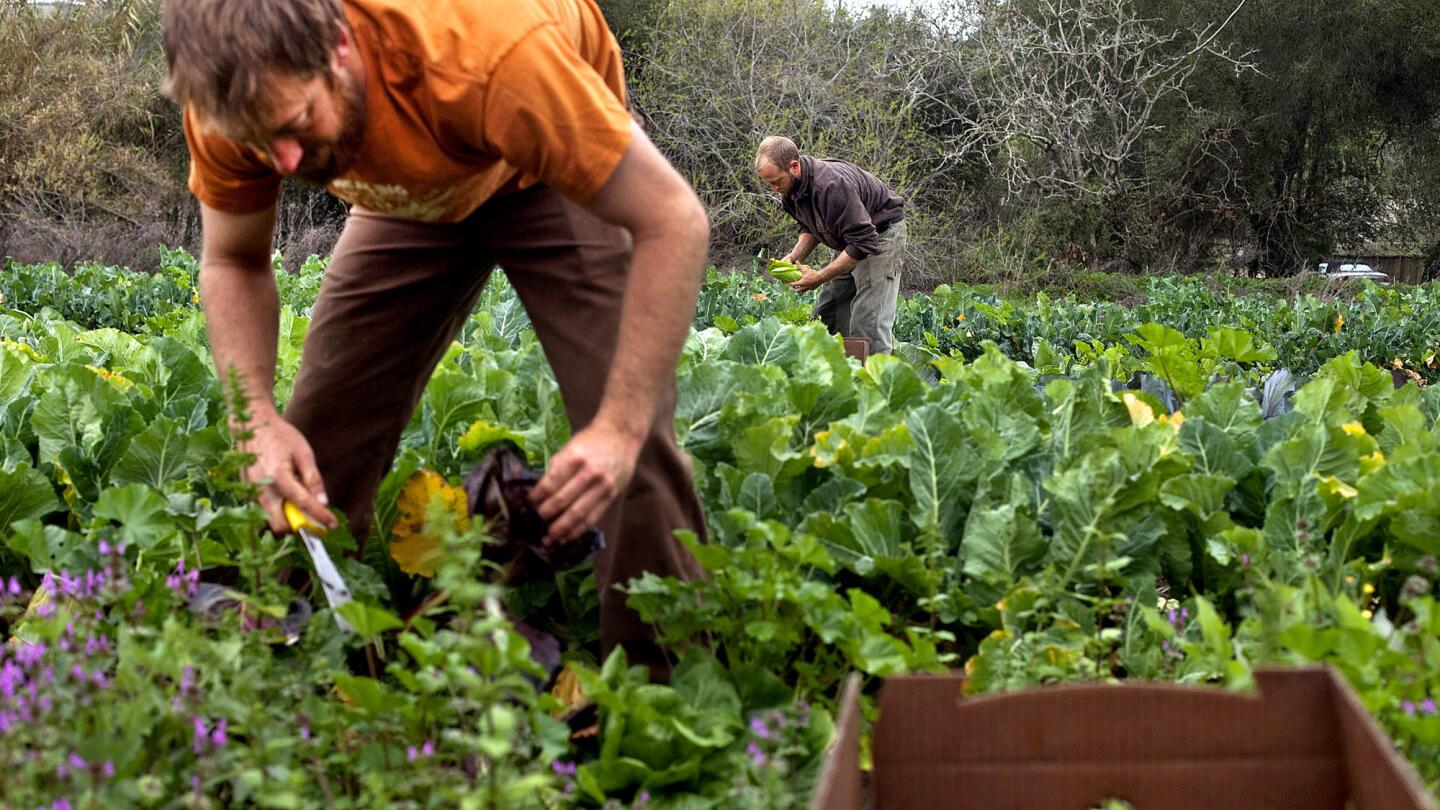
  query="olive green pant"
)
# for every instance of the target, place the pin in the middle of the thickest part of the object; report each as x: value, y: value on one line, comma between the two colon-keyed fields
x: 861, y: 303
x: 393, y: 298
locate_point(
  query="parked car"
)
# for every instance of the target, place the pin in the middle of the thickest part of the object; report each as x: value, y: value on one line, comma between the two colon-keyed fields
x: 1345, y: 270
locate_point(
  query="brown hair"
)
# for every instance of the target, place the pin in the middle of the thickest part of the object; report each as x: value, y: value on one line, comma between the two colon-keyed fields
x: 777, y: 149
x: 219, y: 51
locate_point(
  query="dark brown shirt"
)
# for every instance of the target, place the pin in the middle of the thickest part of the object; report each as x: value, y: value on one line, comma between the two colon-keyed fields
x: 842, y: 205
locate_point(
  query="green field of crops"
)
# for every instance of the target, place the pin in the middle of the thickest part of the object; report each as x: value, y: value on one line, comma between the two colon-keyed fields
x: 1180, y: 488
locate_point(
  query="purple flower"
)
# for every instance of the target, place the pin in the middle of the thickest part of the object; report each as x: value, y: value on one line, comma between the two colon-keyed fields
x: 411, y: 754
x: 1245, y: 559
x: 304, y: 731
x: 218, y: 738
x: 61, y: 803
x: 104, y: 548
x: 755, y: 753
x: 183, y: 583
x: 108, y: 769
x: 195, y: 782
x: 563, y: 768
x: 759, y: 729
x: 428, y: 749
x: 202, y: 735
x: 1408, y: 706
x: 1428, y: 707
x: 11, y: 677
x: 14, y: 589
x: 30, y: 653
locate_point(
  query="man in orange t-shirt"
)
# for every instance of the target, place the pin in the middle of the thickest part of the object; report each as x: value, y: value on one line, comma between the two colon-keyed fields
x: 465, y: 134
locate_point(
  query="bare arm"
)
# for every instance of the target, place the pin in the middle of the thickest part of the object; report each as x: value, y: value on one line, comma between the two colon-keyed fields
x: 671, y: 231
x: 803, y: 247
x: 242, y: 307
x: 242, y: 315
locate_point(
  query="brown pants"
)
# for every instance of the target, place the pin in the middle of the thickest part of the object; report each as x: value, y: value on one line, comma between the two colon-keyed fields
x: 396, y: 294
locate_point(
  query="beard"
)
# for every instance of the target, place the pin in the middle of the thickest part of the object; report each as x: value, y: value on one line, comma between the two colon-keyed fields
x: 323, y: 162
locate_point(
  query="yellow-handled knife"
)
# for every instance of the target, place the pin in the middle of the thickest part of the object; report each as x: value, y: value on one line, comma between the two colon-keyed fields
x: 330, y: 580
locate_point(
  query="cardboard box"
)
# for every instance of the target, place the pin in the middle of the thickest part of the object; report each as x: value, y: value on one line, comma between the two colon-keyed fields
x: 858, y: 348
x: 1303, y: 742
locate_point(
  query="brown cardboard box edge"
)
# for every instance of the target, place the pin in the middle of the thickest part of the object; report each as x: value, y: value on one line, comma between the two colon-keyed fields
x: 1302, y: 741
x: 858, y: 348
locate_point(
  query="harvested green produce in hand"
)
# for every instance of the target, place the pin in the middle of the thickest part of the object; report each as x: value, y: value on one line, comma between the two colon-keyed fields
x: 784, y: 271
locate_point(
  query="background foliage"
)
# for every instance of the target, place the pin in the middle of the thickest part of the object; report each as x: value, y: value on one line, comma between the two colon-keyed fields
x: 1324, y: 140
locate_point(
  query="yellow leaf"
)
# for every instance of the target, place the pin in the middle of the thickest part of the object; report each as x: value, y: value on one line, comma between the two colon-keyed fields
x: 1353, y: 428
x: 115, y: 378
x: 416, y: 548
x: 1339, y: 322
x: 1174, y: 420
x: 1141, y: 414
x: 417, y: 554
x: 482, y: 434
x: 1372, y: 462
x: 25, y: 349
x: 1335, y: 486
x: 568, y: 691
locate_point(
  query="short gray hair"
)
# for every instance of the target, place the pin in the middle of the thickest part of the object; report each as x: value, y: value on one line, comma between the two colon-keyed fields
x: 777, y: 149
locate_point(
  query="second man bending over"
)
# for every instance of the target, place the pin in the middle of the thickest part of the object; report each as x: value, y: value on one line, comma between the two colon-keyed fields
x: 857, y: 216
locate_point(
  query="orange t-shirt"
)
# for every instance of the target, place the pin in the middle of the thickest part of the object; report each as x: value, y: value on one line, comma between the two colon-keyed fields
x: 465, y: 100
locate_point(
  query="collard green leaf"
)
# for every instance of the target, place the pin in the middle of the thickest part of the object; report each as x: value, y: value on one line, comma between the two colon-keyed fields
x: 1213, y: 450
x: 767, y: 448
x: 1226, y: 406
x: 25, y: 493
x: 1238, y: 345
x: 757, y: 494
x: 15, y: 374
x: 139, y: 510
x: 1085, y: 497
x: 73, y: 411
x: 50, y: 548
x: 1199, y: 494
x: 766, y: 342
x: 894, y: 379
x: 1002, y: 543
x: 155, y: 457
x: 942, y: 470
x: 832, y: 495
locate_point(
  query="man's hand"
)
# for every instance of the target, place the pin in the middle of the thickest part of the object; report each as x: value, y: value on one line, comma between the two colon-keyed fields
x: 285, y: 469
x: 583, y: 479
x: 811, y: 279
